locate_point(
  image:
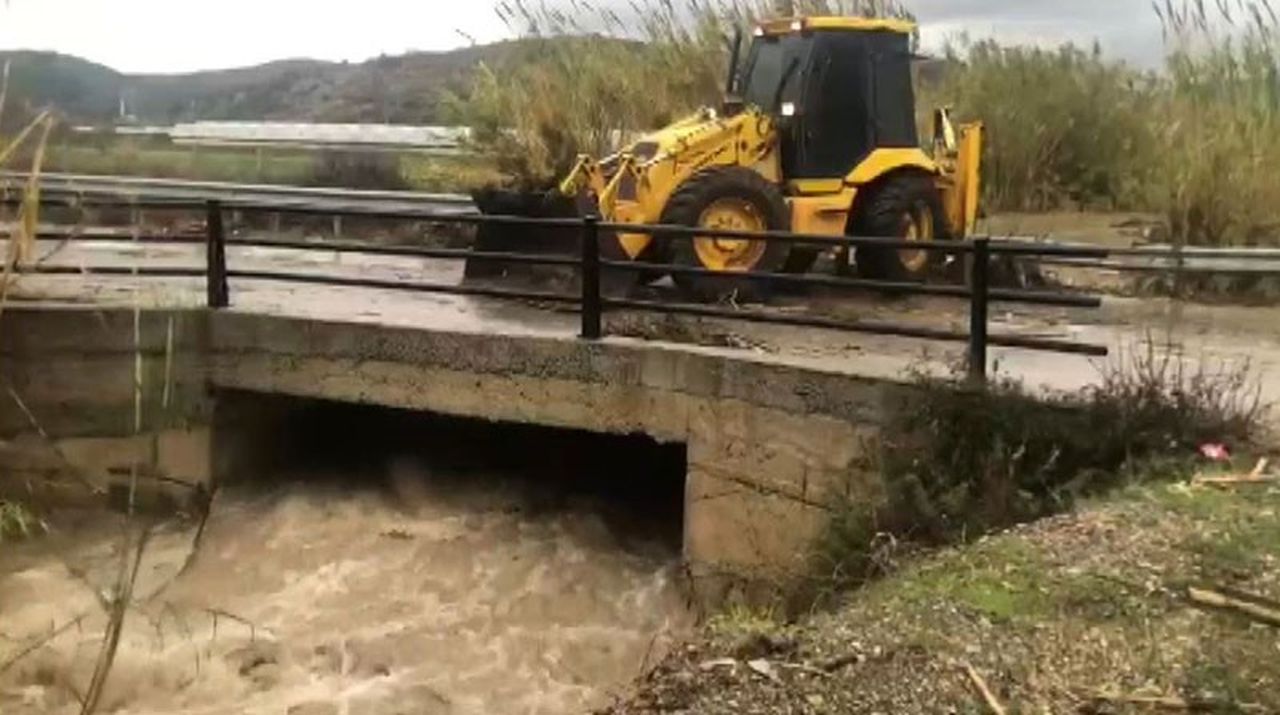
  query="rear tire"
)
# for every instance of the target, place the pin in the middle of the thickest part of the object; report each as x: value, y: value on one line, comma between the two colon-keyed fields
x: 727, y: 191
x: 907, y: 206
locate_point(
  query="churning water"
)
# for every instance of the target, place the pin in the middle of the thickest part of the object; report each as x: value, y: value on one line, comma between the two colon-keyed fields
x: 397, y: 589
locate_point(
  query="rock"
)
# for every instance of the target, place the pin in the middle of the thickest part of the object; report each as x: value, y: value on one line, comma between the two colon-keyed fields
x: 710, y: 665
x: 764, y: 668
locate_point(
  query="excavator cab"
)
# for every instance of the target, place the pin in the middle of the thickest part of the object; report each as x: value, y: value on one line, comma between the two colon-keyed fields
x: 817, y: 135
x: 837, y: 93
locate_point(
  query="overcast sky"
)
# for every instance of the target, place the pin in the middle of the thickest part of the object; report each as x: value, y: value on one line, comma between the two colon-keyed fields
x: 183, y: 35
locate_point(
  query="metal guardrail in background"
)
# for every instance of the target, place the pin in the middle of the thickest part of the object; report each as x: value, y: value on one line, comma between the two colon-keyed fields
x: 104, y: 190
x: 592, y: 301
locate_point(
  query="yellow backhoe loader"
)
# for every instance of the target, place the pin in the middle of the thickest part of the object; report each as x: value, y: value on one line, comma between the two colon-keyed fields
x: 817, y: 135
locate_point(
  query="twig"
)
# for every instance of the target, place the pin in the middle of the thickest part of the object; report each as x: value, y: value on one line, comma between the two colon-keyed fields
x: 648, y: 651
x: 1257, y: 476
x: 128, y: 576
x: 1214, y: 599
x: 989, y: 697
x: 841, y: 662
x: 40, y: 643
x: 44, y: 436
x: 1169, y: 702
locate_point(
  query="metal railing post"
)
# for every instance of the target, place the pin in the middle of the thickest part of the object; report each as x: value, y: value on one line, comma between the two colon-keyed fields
x: 591, y: 303
x: 979, y: 275
x: 219, y: 295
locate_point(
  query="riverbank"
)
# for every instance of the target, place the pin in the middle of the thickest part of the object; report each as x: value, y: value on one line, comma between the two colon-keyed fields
x: 1107, y: 610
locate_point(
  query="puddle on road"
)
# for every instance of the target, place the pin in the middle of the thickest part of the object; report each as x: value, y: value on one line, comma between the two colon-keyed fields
x: 411, y: 593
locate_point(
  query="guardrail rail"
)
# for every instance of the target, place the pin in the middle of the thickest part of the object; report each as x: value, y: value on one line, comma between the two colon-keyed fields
x: 593, y: 303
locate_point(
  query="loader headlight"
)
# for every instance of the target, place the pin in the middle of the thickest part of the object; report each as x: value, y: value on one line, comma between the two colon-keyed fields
x: 758, y: 32
x: 797, y: 25
x: 788, y: 109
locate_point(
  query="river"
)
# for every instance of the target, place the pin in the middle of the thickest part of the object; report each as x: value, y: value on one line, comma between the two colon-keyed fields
x: 401, y: 591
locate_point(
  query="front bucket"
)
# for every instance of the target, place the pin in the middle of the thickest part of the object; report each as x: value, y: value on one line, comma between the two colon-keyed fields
x: 515, y: 238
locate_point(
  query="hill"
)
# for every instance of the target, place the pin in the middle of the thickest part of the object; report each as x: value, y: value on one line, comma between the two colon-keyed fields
x: 401, y: 89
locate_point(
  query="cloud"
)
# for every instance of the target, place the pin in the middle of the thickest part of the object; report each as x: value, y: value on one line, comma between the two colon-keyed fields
x: 176, y: 36
x: 1127, y: 29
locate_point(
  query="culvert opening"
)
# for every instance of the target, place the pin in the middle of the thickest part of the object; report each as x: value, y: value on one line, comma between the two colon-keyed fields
x: 377, y: 561
x: 632, y: 484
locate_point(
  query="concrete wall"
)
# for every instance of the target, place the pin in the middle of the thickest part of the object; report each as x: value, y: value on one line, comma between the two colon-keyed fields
x: 769, y: 446
x: 73, y: 382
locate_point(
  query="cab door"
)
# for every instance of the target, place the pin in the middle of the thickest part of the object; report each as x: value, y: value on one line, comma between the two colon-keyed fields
x: 832, y: 132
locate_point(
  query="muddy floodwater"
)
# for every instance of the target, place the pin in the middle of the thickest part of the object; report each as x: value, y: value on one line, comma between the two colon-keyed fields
x: 398, y: 592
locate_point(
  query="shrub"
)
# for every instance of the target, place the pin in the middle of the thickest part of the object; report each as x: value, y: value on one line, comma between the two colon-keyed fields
x: 359, y: 170
x: 959, y: 461
x: 15, y: 519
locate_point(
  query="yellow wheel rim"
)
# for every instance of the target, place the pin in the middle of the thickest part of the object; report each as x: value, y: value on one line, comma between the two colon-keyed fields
x: 916, y: 225
x: 730, y: 254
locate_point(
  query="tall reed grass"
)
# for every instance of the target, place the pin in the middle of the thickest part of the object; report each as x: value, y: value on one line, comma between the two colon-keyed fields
x: 1065, y: 126
x: 1195, y: 141
x: 581, y: 78
x: 1218, y: 123
x: 15, y: 518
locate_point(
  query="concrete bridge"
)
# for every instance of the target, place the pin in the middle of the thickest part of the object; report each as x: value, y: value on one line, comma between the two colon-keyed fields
x: 774, y: 423
x: 768, y: 446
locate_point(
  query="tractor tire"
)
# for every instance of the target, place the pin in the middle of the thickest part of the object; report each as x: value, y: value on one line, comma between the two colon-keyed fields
x: 730, y: 197
x: 907, y: 206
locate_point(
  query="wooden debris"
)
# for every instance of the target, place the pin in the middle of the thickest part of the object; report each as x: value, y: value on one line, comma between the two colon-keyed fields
x: 1169, y: 702
x: 989, y: 697
x: 1257, y: 476
x: 1215, y: 599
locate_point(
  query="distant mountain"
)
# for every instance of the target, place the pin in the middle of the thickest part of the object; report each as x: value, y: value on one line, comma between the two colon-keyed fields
x: 399, y: 89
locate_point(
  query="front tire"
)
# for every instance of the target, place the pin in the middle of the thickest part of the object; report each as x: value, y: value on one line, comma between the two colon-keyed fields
x: 727, y: 198
x: 909, y: 207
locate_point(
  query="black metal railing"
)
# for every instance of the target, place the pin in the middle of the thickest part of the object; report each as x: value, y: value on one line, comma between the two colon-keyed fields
x: 593, y: 303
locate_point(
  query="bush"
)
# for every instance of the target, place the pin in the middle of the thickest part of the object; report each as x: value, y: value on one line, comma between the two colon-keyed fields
x: 1077, y: 134
x: 958, y: 461
x: 359, y: 170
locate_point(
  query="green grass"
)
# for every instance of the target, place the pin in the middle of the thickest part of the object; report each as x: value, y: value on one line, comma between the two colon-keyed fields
x: 1052, y: 616
x: 18, y: 522
x: 1237, y: 537
x: 298, y: 168
x: 1002, y: 579
x: 182, y: 163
